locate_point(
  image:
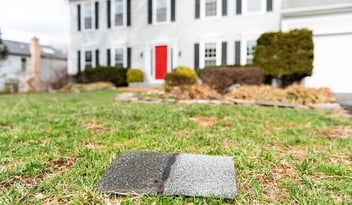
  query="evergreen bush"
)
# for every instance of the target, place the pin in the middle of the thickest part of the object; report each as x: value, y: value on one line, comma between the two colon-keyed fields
x: 286, y: 54
x: 115, y: 75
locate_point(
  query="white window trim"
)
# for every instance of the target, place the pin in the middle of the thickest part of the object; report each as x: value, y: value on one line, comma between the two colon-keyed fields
x: 113, y: 52
x: 218, y: 12
x: 124, y: 24
x: 245, y: 8
x: 83, y: 23
x: 202, y: 52
x: 168, y: 13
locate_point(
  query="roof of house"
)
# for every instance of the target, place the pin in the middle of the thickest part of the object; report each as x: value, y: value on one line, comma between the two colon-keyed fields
x: 22, y: 49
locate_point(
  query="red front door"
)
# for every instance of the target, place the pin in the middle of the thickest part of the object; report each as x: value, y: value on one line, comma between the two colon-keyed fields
x: 160, y: 62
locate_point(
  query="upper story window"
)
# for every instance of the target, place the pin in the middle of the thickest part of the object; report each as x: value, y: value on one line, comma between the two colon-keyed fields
x: 209, y: 54
x: 250, y: 51
x: 88, y: 15
x: 211, y: 8
x: 254, y: 6
x: 88, y: 59
x: 161, y: 11
x: 119, y: 14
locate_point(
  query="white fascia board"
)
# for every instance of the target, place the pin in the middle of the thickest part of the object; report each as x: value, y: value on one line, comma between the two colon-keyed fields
x: 316, y: 10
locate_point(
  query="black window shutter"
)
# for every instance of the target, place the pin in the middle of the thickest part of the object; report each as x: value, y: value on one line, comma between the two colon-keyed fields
x: 223, y: 53
x: 79, y: 17
x: 238, y: 53
x: 197, y: 11
x: 269, y: 5
x: 238, y: 7
x: 97, y: 63
x: 150, y: 11
x: 79, y: 61
x: 108, y: 57
x: 224, y: 7
x: 196, y: 56
x: 128, y: 12
x: 129, y: 57
x: 173, y: 10
x: 96, y: 15
x: 108, y: 12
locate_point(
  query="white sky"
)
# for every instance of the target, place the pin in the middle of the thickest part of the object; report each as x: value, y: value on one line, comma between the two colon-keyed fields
x: 20, y: 20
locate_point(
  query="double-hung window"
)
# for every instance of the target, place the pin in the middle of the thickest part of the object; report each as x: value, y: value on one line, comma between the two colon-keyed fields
x: 250, y: 51
x: 209, y: 54
x: 88, y: 59
x: 119, y: 13
x: 88, y: 15
x: 119, y: 57
x: 254, y: 6
x: 161, y: 11
x: 211, y: 8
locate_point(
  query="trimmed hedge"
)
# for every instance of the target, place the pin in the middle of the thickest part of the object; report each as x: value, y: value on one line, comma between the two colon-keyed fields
x: 135, y: 75
x: 180, y: 76
x: 220, y: 78
x: 287, y: 54
x: 116, y: 75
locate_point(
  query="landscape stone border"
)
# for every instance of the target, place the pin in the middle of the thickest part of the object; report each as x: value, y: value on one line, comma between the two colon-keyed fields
x: 134, y: 97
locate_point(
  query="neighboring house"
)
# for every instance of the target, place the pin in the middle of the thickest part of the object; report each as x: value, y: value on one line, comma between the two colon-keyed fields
x: 17, y: 65
x: 158, y: 35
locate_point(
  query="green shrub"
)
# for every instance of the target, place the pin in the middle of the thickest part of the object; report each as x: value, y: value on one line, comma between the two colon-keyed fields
x: 220, y: 78
x: 288, y: 55
x: 180, y: 76
x: 135, y: 75
x: 189, y: 72
x: 116, y: 75
x: 177, y: 79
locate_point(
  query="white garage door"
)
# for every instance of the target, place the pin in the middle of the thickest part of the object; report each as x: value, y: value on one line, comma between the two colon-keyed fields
x: 332, y: 63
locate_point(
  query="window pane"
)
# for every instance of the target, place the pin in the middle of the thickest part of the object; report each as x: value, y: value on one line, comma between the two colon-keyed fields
x: 88, y: 12
x: 250, y: 51
x: 210, y: 7
x: 118, y: 12
x: 161, y: 11
x: 254, y: 5
x: 119, y: 57
x: 88, y: 59
x: 210, y: 54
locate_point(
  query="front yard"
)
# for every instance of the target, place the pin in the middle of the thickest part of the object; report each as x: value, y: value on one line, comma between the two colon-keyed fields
x: 55, y: 147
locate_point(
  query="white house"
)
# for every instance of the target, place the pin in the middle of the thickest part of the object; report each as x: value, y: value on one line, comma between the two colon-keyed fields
x: 17, y: 64
x: 158, y: 35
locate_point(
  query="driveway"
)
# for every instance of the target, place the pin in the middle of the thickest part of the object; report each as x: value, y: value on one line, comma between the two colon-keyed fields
x: 345, y: 100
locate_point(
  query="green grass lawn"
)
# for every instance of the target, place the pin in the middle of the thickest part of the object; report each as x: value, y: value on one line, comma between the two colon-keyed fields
x: 55, y: 147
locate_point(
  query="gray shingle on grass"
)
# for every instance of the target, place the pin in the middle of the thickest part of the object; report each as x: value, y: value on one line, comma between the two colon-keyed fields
x: 201, y: 175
